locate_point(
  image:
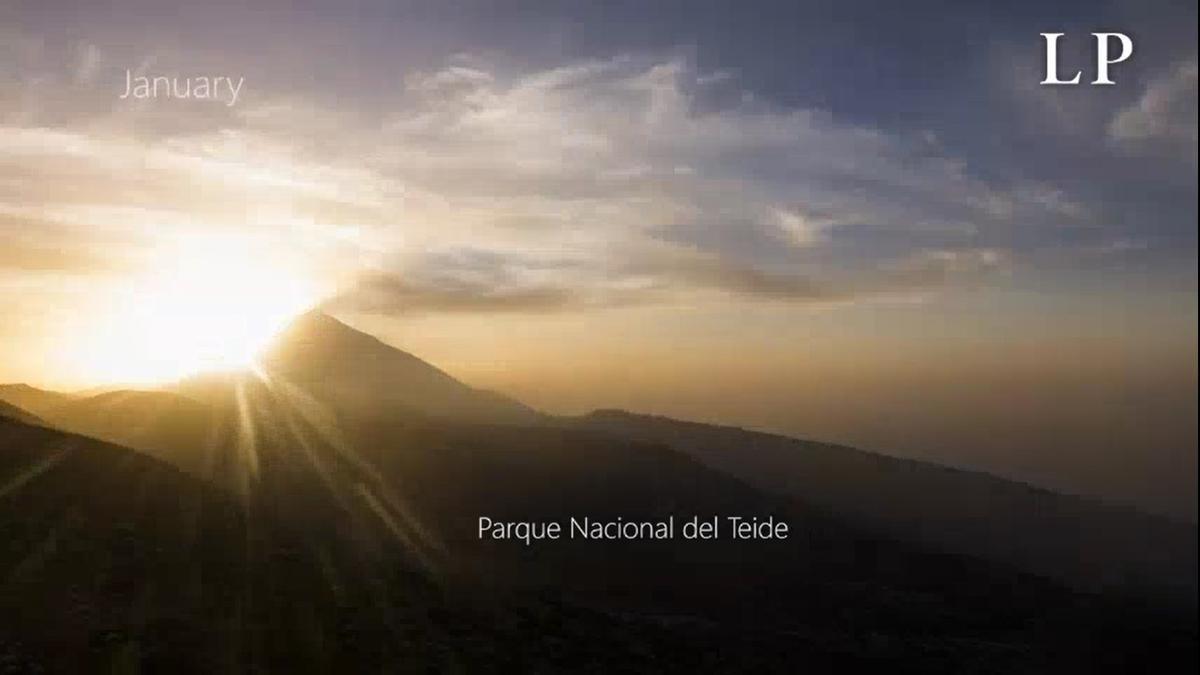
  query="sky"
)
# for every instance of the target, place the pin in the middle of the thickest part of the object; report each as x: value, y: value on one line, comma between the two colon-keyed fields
x: 862, y: 222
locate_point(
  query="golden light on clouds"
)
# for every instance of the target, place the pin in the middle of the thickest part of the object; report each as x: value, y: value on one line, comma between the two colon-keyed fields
x: 207, y: 303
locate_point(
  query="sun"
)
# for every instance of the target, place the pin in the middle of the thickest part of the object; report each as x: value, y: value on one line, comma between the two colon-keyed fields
x: 207, y: 304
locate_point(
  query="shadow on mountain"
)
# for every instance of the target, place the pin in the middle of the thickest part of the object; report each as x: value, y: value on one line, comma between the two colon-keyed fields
x: 348, y: 478
x: 115, y: 562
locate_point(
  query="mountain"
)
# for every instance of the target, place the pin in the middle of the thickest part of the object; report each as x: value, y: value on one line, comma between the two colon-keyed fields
x: 361, y: 473
x: 1084, y: 543
x: 160, y: 423
x: 112, y: 561
x: 102, y: 546
x: 349, y: 370
x: 317, y: 367
x: 12, y: 412
x: 31, y: 399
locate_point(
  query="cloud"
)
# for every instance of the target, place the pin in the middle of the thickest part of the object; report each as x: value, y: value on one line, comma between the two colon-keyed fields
x: 1164, y: 114
x: 931, y: 270
x: 629, y: 159
x: 32, y: 246
x: 599, y: 183
x: 486, y: 282
x: 396, y: 295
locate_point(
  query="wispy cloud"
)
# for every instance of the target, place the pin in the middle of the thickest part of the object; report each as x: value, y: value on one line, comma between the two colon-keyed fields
x: 630, y: 159
x: 1164, y: 115
x: 643, y: 173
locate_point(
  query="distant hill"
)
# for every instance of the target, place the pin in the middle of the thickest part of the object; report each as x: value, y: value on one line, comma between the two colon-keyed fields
x: 31, y: 399
x: 1078, y: 541
x: 155, y: 422
x: 14, y: 413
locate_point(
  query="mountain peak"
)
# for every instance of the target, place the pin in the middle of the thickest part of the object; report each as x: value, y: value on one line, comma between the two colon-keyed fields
x: 315, y: 319
x: 315, y: 337
x: 316, y: 323
x: 356, y: 371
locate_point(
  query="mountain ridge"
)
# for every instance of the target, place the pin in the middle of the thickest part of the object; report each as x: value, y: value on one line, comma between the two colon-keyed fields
x: 334, y: 381
x: 624, y: 414
x: 11, y: 411
x: 1090, y: 544
x: 317, y: 349
x: 361, y: 491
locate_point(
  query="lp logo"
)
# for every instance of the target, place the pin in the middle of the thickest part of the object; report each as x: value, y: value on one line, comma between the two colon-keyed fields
x: 1102, y: 57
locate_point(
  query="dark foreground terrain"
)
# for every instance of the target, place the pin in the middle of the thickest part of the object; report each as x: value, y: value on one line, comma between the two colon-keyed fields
x: 322, y: 518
